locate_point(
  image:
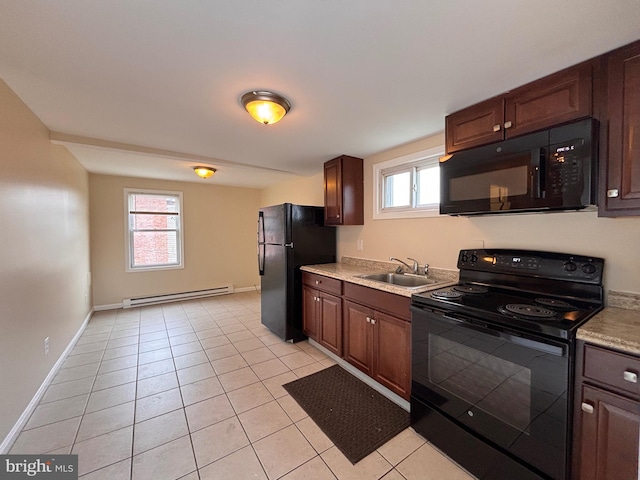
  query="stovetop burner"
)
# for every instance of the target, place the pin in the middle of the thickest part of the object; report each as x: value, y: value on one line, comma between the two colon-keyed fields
x: 555, y: 303
x: 446, y: 294
x: 476, y: 289
x: 527, y: 310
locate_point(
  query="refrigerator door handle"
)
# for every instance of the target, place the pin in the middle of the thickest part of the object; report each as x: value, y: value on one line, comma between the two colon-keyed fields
x: 260, y: 227
x: 261, y: 253
x: 290, y: 245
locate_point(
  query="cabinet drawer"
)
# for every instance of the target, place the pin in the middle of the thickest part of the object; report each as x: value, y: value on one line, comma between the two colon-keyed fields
x: 612, y: 368
x: 326, y: 284
x: 391, y: 303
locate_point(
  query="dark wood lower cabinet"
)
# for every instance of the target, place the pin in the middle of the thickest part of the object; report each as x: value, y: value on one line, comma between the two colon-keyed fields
x: 392, y: 353
x: 372, y: 333
x: 607, y: 415
x: 358, y: 336
x: 379, y: 345
x: 322, y: 318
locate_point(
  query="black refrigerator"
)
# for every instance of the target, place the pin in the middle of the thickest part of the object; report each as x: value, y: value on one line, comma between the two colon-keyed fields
x: 289, y: 236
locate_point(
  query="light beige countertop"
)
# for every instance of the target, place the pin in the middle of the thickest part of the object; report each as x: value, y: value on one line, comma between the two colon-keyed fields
x: 617, y: 326
x: 351, y: 268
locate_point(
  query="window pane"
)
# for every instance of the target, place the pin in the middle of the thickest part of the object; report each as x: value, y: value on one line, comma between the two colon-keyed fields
x: 141, y: 221
x: 155, y: 248
x: 429, y: 185
x: 140, y: 202
x: 397, y: 190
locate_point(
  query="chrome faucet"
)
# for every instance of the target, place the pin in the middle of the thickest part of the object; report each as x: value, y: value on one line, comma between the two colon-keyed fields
x: 412, y: 268
x: 415, y: 268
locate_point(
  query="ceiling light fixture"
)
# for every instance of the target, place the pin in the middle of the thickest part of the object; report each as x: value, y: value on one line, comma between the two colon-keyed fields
x: 265, y: 107
x: 204, y: 172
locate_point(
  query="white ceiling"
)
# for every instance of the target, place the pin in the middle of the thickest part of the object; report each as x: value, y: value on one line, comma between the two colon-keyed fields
x: 153, y: 86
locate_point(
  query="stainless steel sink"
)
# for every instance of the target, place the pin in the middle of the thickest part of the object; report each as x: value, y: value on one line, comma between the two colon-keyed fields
x: 401, y: 279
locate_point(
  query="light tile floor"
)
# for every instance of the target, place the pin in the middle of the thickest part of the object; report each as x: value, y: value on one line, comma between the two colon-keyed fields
x: 193, y: 390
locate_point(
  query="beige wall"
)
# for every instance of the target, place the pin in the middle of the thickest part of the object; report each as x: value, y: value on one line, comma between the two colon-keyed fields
x: 219, y: 239
x: 301, y: 191
x: 437, y: 240
x: 44, y: 257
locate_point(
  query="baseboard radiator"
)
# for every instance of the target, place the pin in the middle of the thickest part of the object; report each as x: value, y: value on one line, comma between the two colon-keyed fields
x: 174, y: 297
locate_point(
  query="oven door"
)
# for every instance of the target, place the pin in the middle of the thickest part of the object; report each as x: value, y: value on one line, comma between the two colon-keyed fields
x: 506, y: 387
x: 507, y: 176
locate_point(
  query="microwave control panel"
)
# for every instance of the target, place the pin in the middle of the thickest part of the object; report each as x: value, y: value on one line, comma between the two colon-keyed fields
x: 565, y: 168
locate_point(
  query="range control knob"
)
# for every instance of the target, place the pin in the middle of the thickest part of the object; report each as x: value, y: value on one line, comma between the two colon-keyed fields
x: 589, y: 268
x: 570, y: 266
x: 464, y: 258
x: 474, y: 258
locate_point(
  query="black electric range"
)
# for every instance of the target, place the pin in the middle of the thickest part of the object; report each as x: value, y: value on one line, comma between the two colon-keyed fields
x: 492, y: 360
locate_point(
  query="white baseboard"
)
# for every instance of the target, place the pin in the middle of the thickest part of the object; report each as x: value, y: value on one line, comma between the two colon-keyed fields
x: 255, y: 288
x: 117, y: 306
x: 113, y: 306
x: 9, y: 440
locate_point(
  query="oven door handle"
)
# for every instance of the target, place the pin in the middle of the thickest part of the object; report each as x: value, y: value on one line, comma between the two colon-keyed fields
x: 510, y: 336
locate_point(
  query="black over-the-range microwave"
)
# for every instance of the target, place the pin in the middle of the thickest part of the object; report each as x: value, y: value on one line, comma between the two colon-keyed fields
x: 554, y: 169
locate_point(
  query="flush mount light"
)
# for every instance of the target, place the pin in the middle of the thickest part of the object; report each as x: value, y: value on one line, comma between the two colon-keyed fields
x: 204, y: 172
x: 265, y: 107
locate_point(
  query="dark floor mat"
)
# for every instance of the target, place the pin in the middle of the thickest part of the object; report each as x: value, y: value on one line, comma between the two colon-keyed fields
x: 353, y: 415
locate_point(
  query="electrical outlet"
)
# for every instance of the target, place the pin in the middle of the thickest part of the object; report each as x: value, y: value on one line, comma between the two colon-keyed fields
x: 46, y: 345
x: 86, y: 300
x: 359, y: 245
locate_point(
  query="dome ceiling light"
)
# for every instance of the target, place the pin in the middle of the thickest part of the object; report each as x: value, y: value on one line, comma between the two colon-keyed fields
x: 204, y: 172
x: 265, y: 107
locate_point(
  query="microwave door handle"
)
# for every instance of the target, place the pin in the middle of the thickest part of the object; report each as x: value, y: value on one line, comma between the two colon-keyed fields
x: 538, y: 162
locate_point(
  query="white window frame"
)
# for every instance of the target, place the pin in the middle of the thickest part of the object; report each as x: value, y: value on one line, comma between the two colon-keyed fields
x: 128, y: 231
x: 396, y: 165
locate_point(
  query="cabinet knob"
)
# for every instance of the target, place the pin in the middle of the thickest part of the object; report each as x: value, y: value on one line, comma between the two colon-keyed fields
x: 496, y: 127
x: 630, y: 376
x: 507, y: 125
x: 373, y: 321
x: 587, y: 408
x: 613, y: 193
x: 368, y: 320
x: 338, y: 216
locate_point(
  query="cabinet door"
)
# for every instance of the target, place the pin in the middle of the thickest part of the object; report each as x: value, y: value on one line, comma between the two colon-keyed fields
x: 358, y: 336
x: 392, y: 353
x: 309, y: 312
x: 622, y: 183
x: 474, y: 126
x: 333, y: 192
x: 609, y: 437
x: 558, y: 98
x: 330, y: 325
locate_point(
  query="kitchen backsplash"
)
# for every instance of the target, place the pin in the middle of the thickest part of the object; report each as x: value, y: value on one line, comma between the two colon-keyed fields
x: 626, y: 300
x: 437, y: 273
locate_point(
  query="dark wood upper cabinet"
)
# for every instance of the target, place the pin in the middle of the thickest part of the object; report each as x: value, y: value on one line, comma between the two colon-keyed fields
x: 344, y: 191
x: 555, y: 99
x: 620, y: 159
x: 476, y: 125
